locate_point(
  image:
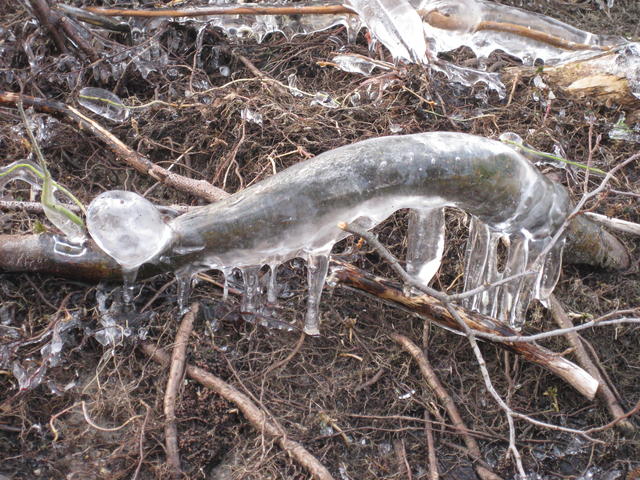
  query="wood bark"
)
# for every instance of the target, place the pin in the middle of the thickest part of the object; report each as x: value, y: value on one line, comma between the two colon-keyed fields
x: 432, y: 310
x: 601, y: 79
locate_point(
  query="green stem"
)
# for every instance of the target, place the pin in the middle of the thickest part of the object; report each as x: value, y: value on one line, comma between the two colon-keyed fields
x: 48, y: 183
x: 538, y: 153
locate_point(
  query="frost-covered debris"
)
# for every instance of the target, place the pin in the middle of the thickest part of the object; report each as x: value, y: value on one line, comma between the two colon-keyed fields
x: 59, y: 337
x: 115, y: 324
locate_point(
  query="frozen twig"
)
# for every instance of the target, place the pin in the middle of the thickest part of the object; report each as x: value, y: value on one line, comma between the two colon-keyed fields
x: 176, y: 373
x: 255, y: 415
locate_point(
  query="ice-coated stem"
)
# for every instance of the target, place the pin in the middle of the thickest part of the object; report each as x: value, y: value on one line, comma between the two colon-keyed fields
x: 297, y: 211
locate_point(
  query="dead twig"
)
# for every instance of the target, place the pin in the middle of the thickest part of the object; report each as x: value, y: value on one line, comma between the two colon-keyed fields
x: 604, y: 392
x: 139, y: 162
x: 255, y: 415
x: 447, y: 402
x: 174, y: 381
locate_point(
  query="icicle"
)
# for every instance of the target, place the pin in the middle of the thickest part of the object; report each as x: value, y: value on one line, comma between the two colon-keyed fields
x: 251, y: 288
x: 425, y: 243
x: 550, y: 272
x: 515, y: 295
x: 396, y: 24
x: 317, y: 266
x: 476, y: 258
x: 272, y: 289
x: 129, y: 284
x: 184, y: 279
x: 488, y: 299
x: 226, y: 273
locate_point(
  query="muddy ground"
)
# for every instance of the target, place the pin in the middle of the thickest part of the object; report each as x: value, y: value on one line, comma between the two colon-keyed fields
x: 352, y: 396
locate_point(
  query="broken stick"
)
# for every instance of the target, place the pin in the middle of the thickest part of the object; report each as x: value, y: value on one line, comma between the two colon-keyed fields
x: 432, y: 310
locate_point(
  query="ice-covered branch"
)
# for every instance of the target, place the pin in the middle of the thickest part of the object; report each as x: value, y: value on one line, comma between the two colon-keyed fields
x: 296, y: 213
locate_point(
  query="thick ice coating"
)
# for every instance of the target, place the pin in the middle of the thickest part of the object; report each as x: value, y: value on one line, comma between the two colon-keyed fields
x: 127, y: 227
x: 295, y: 213
x: 486, y: 26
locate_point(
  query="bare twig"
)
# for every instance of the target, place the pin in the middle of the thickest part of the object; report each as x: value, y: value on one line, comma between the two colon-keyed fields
x: 431, y: 448
x: 604, y: 392
x: 615, y: 223
x: 174, y: 381
x: 142, y: 164
x: 432, y: 380
x: 255, y: 415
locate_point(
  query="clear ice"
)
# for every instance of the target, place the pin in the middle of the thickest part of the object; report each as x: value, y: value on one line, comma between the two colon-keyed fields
x: 104, y: 103
x: 128, y: 228
x: 295, y: 214
x: 396, y: 24
x: 486, y: 26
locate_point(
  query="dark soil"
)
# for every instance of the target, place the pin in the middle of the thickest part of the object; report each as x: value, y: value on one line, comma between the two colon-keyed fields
x: 98, y: 412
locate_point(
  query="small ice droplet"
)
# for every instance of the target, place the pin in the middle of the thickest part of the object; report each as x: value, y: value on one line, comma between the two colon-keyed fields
x: 251, y: 116
x: 127, y: 227
x: 104, y: 103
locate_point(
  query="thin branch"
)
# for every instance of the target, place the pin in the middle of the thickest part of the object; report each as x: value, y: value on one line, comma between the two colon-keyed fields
x: 255, y: 415
x: 178, y: 361
x: 142, y: 164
